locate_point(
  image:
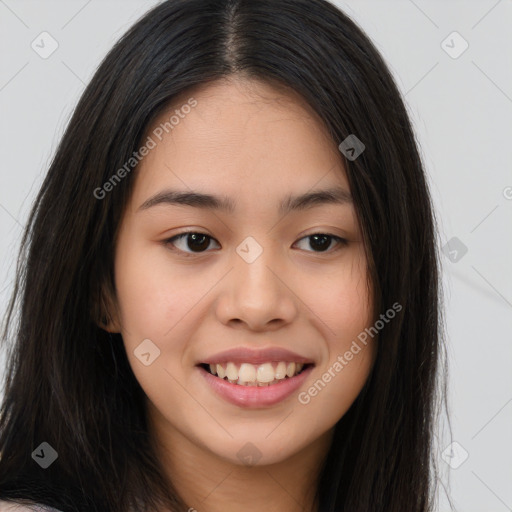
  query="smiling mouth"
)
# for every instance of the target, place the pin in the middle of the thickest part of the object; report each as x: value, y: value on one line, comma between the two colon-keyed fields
x: 265, y: 374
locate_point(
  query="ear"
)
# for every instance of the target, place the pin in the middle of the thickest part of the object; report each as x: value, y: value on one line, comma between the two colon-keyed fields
x: 104, y: 309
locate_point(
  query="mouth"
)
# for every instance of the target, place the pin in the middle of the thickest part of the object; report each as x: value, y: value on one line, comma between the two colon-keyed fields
x: 264, y: 374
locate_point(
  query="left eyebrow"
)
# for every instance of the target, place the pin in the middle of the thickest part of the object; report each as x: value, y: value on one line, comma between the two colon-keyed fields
x: 334, y: 195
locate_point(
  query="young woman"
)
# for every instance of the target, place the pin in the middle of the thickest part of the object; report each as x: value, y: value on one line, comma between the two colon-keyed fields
x: 228, y: 284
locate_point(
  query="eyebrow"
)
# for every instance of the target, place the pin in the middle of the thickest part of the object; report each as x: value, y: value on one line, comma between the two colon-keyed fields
x: 334, y: 195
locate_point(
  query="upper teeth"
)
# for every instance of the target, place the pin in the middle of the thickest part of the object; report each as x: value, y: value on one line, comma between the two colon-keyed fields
x: 252, y: 375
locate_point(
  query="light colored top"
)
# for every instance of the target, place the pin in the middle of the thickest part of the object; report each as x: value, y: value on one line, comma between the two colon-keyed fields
x: 9, y: 506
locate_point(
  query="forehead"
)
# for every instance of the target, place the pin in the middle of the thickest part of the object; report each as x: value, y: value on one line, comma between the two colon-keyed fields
x: 243, y: 138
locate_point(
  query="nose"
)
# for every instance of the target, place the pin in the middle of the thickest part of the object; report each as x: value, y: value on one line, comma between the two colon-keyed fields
x: 257, y: 295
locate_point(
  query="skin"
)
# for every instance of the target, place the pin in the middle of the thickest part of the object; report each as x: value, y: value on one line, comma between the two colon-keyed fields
x: 255, y: 144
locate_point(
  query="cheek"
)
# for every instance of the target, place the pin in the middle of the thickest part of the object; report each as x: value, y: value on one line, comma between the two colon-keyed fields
x: 159, y: 302
x: 147, y: 287
x: 345, y: 308
x: 150, y: 300
x: 140, y: 297
x: 343, y: 300
x: 151, y: 304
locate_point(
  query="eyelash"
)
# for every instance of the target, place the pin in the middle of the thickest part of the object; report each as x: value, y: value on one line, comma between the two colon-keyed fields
x: 170, y: 242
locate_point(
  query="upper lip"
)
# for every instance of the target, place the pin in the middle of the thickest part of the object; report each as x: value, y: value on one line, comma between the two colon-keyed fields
x: 255, y: 356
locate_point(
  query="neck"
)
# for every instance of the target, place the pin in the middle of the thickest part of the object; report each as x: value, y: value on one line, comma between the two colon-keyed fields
x: 207, y: 482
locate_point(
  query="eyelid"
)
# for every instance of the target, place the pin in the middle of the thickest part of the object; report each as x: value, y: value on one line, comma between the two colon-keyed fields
x: 169, y: 241
x: 342, y: 242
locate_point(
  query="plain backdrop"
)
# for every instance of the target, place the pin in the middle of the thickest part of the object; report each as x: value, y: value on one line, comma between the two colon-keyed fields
x: 460, y: 100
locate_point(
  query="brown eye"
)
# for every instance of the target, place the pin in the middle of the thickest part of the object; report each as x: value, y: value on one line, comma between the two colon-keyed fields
x: 193, y: 242
x: 321, y: 242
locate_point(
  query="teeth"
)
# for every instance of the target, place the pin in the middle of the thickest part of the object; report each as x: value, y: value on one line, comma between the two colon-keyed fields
x: 220, y: 370
x: 231, y: 371
x: 281, y: 371
x: 264, y: 374
x: 247, y: 373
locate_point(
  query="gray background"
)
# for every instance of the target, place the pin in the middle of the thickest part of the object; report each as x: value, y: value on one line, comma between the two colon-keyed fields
x: 461, y: 108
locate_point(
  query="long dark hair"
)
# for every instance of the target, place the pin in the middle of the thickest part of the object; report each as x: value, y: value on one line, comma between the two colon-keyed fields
x: 69, y: 382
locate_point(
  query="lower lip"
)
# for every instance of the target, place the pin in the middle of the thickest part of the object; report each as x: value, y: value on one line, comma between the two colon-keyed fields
x: 255, y: 396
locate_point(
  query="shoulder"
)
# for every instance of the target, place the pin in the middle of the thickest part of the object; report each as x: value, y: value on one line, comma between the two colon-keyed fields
x: 10, y: 506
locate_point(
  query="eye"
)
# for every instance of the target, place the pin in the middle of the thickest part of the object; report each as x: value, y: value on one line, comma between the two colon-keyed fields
x: 322, y: 241
x: 196, y: 242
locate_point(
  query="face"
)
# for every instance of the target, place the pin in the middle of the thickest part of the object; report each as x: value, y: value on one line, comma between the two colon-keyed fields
x: 271, y: 288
